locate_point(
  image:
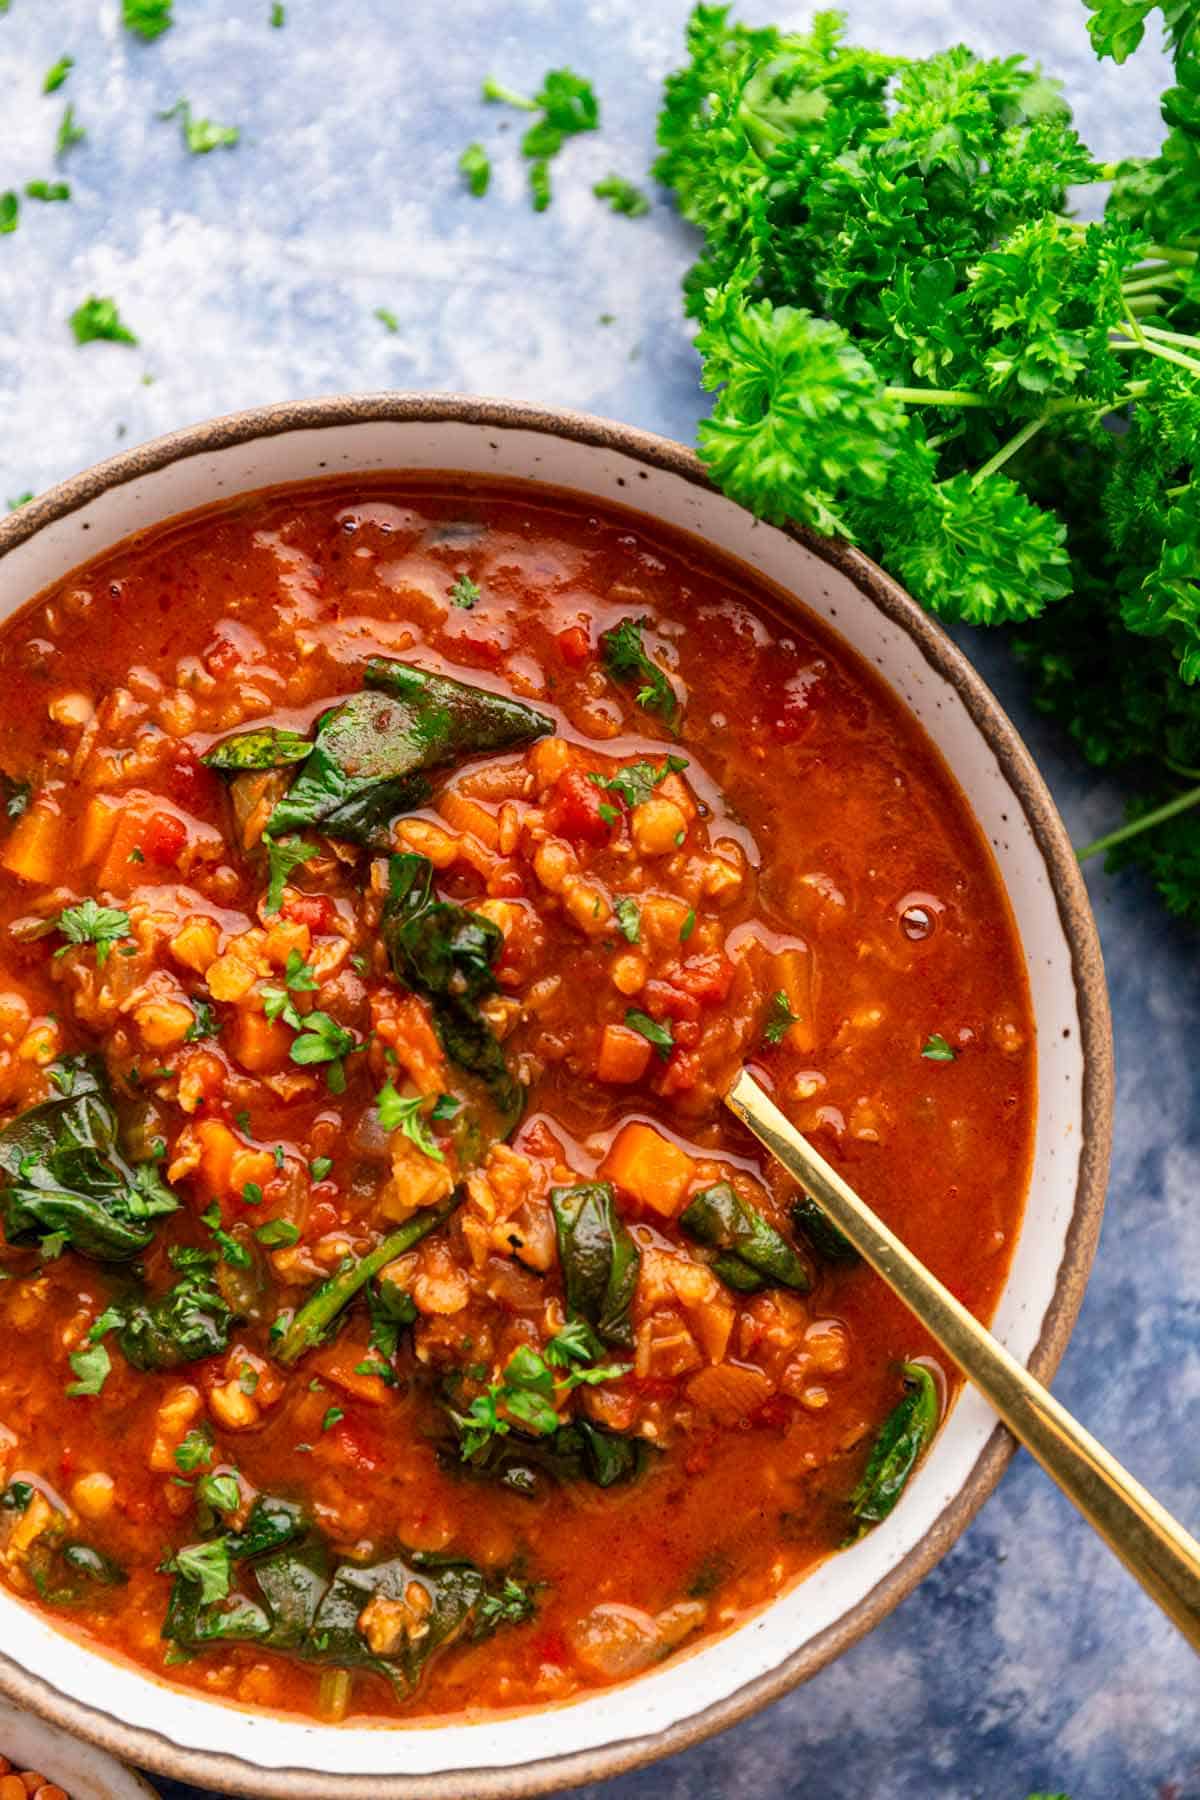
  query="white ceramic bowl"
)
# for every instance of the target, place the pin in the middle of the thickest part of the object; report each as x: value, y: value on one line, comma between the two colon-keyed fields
x: 254, y: 1754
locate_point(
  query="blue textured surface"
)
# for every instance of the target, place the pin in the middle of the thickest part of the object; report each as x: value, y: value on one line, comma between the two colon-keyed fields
x: 1027, y: 1660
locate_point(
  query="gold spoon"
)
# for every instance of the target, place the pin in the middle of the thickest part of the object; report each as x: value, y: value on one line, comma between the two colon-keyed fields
x: 1152, y: 1545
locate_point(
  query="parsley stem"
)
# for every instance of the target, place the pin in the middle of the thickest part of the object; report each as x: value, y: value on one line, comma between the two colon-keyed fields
x: 1017, y: 442
x: 912, y: 396
x: 1183, y: 259
x: 1169, y: 337
x: 1147, y: 822
x: 1141, y: 283
x: 1160, y: 350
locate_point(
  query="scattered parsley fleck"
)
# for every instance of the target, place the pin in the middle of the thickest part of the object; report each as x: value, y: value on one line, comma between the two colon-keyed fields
x: 195, y: 1452
x: 688, y: 926
x: 475, y: 169
x: 278, y: 15
x: 654, y: 1031
x: 252, y: 1194
x: 629, y: 918
x: 57, y: 73
x: 248, y: 1378
x: 505, y: 96
x: 626, y: 660
x: 936, y: 1049
x: 636, y: 782
x: 98, y: 319
x: 92, y: 1366
x: 332, y: 1416
x: 235, y: 1254
x: 622, y: 196
x: 10, y: 212
x: 220, y: 1491
x: 201, y: 135
x: 21, y: 500
x: 279, y: 1155
x: 779, y: 1018
x: 69, y: 133
x: 284, y: 855
x: 89, y: 923
x: 208, y: 1565
x: 400, y: 1112
x: 464, y: 592
x: 387, y: 319
x: 47, y: 190
x: 148, y: 18
x: 320, y: 1167
x: 276, y: 1234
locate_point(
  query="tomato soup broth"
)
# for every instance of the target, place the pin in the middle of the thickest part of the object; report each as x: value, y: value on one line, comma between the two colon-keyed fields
x: 395, y: 874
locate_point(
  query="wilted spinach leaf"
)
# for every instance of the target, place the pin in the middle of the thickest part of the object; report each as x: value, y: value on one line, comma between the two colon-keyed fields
x: 372, y: 751
x: 62, y: 1173
x: 579, y: 1451
x: 299, y: 1598
x: 599, y: 1258
x: 902, y: 1440
x: 822, y: 1233
x: 446, y: 952
x: 753, y: 1254
x: 190, y: 1321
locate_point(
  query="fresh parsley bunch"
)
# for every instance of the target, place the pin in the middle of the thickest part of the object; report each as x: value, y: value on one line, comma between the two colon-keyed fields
x: 914, y: 345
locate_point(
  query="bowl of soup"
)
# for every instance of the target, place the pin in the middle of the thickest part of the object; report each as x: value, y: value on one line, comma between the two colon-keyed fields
x: 416, y: 810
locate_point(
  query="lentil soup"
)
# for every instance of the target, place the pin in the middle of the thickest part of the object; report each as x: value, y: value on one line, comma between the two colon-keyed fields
x: 394, y: 875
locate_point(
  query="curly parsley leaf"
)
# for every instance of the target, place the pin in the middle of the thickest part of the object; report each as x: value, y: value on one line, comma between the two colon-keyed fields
x: 622, y: 196
x: 148, y: 19
x: 201, y: 135
x: 406, y: 1113
x: 97, y: 319
x: 475, y: 168
x: 90, y: 923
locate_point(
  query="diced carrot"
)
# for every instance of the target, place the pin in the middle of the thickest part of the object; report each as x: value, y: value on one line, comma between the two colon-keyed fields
x: 314, y: 910
x: 730, y: 1391
x: 259, y: 1043
x: 794, y: 973
x: 649, y: 1167
x: 217, y: 1145
x: 32, y: 851
x: 623, y: 1055
x: 574, y: 646
x: 121, y: 869
x: 99, y: 823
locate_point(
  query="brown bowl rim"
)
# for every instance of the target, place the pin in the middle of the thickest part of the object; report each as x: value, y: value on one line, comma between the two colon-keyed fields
x: 232, y: 1774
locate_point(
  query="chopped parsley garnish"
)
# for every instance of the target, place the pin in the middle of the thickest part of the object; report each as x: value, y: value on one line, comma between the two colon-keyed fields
x: 688, y: 926
x: 235, y: 1254
x: 567, y: 105
x: 655, y: 1031
x: 276, y: 1234
x: 92, y: 1366
x: 209, y: 1565
x: 531, y: 1384
x: 320, y: 1167
x: 936, y: 1049
x: 475, y: 168
x: 204, y: 1024
x: 780, y: 1018
x: 248, y: 1378
x: 387, y: 319
x: 47, y: 190
x: 400, y: 1112
x: 505, y: 96
x: 637, y: 781
x: 464, y: 592
x: 629, y: 918
x: 97, y: 319
x: 252, y: 1194
x: 69, y: 133
x: 278, y: 14
x: 57, y: 73
x: 201, y: 135
x: 284, y: 855
x: 333, y: 1414
x: 89, y: 923
x: 381, y: 1370
x: 21, y: 500
x: 622, y: 196
x: 322, y: 1040
x: 626, y: 661
x: 10, y: 212
x: 148, y: 18
x: 222, y: 1492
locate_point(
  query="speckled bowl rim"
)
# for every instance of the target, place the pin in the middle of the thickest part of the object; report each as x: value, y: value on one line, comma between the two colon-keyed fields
x: 235, y: 1775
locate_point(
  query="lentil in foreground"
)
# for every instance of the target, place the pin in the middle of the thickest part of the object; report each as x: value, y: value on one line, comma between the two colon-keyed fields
x: 394, y: 877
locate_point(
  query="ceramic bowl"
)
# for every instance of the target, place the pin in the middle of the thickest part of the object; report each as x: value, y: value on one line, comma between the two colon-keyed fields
x: 184, y: 1735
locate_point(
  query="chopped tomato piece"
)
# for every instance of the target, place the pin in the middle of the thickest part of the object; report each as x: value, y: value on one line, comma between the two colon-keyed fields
x: 314, y: 910
x: 575, y: 809
x: 705, y: 978
x: 163, y: 837
x: 574, y: 646
x: 664, y: 1000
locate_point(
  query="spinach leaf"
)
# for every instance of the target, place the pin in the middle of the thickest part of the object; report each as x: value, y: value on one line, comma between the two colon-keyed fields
x: 599, y: 1258
x: 188, y: 1322
x: 753, y: 1254
x: 902, y: 1440
x: 298, y: 1598
x: 263, y: 747
x: 446, y: 952
x: 66, y: 1571
x: 580, y: 1451
x: 822, y: 1233
x: 372, y: 751
x: 62, y: 1173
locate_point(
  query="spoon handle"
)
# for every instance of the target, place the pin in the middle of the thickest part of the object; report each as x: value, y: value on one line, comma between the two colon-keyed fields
x: 1152, y: 1545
